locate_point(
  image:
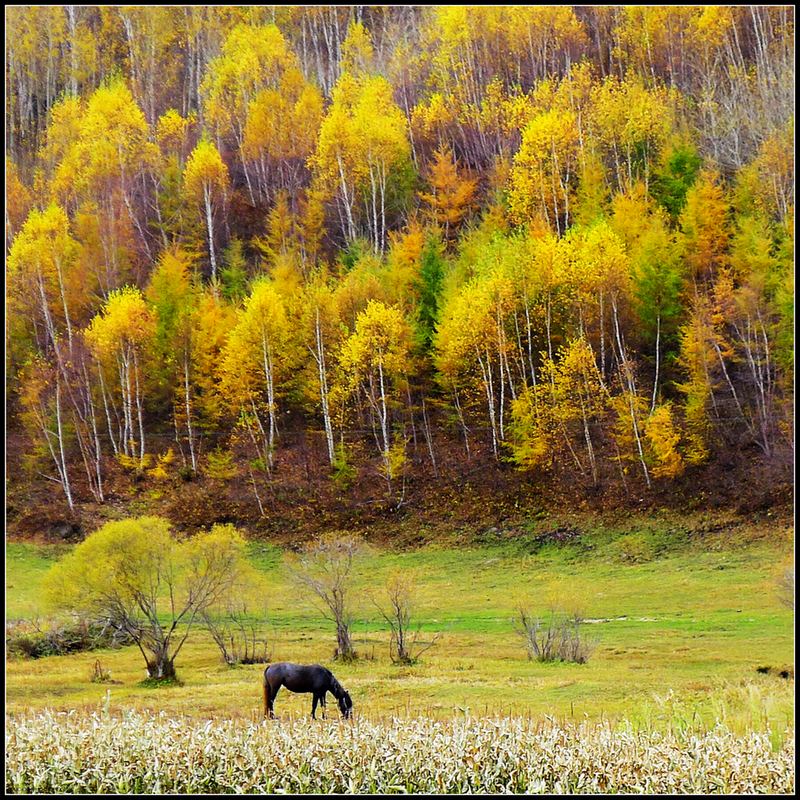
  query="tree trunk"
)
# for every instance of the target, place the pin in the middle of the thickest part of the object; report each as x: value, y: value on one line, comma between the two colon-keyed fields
x: 631, y: 393
x: 658, y: 349
x: 323, y: 387
x: 161, y: 667
x: 462, y: 421
x: 63, y: 469
x: 351, y: 228
x: 124, y: 382
x: 385, y: 428
x: 486, y: 371
x: 210, y: 226
x: 187, y: 400
x: 344, y: 646
x: 139, y: 409
x: 268, y: 374
x: 428, y: 439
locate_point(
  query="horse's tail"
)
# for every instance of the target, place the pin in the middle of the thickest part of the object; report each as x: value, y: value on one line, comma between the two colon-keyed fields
x: 266, y: 690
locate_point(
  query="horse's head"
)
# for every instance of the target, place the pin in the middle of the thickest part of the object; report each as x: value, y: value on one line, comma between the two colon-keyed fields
x: 345, y: 705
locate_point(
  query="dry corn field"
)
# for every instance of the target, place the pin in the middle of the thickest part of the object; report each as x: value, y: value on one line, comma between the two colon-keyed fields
x: 99, y: 753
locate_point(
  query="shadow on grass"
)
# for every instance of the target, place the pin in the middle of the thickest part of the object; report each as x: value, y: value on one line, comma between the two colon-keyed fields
x: 159, y: 683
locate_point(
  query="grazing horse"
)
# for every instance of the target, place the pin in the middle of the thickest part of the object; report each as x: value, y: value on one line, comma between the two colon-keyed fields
x: 303, y: 678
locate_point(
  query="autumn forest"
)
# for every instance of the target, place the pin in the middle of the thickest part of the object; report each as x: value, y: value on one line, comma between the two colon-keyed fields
x: 358, y: 260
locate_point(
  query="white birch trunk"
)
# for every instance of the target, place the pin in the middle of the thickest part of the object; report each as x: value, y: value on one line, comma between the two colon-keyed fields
x: 210, y: 227
x: 139, y: 408
x: 188, y: 403
x: 486, y: 373
x: 384, y: 423
x: 631, y: 394
x: 63, y: 469
x: 658, y: 354
x: 268, y: 375
x: 323, y: 387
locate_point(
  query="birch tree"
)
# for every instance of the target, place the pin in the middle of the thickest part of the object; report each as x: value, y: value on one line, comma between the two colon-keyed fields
x: 206, y: 183
x: 119, y: 336
x: 374, y: 362
x: 252, y: 363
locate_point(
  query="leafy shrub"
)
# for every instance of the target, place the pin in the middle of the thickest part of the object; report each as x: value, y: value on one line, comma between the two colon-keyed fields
x: 149, y: 582
x: 186, y: 474
x: 220, y: 465
x: 134, y: 464
x: 159, y: 472
x: 342, y: 472
x: 634, y: 548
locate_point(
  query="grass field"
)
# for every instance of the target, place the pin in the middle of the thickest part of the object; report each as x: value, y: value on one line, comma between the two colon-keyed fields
x: 682, y: 622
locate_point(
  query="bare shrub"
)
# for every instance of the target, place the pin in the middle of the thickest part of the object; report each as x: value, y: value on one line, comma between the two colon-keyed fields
x: 239, y: 637
x: 53, y: 637
x: 558, y: 638
x: 99, y: 673
x: 325, y: 567
x: 405, y: 646
x: 786, y: 588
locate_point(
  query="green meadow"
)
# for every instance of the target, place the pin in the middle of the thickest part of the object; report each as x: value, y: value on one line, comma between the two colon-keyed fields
x: 680, y: 621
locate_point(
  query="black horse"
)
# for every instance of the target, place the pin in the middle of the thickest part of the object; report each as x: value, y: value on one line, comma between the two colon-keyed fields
x: 303, y: 678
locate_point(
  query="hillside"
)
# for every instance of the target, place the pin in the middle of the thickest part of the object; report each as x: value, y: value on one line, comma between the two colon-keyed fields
x: 395, y: 268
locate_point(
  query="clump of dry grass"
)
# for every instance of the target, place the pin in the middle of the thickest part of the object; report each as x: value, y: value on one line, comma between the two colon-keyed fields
x: 98, y: 753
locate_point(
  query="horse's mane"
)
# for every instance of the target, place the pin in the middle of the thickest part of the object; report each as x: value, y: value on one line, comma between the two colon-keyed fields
x: 337, y: 690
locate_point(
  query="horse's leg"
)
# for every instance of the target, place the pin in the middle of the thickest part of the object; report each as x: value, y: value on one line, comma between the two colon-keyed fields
x: 314, y: 706
x: 323, y: 703
x: 267, y: 703
x: 273, y: 694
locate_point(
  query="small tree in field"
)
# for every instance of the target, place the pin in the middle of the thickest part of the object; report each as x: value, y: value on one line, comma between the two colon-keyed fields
x: 325, y: 567
x: 134, y: 576
x: 405, y: 646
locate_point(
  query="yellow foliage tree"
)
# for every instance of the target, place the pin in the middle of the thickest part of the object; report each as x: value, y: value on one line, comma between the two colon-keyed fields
x: 48, y: 284
x: 373, y: 361
x: 254, y: 355
x: 559, y: 410
x: 123, y: 573
x: 697, y: 358
x: 322, y: 331
x: 543, y: 178
x: 18, y: 201
x: 704, y: 223
x: 253, y: 58
x: 119, y: 336
x: 109, y: 157
x: 206, y: 182
x: 362, y: 141
x: 281, y: 131
x: 452, y: 194
x: 472, y: 346
x: 663, y: 440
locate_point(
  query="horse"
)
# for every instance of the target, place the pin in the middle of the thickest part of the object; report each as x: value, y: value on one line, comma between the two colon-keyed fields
x: 302, y: 678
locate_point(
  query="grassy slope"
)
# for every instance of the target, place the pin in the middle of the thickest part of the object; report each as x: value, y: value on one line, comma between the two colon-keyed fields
x: 699, y: 618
